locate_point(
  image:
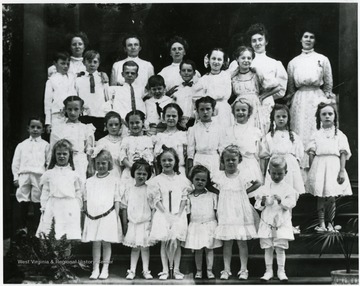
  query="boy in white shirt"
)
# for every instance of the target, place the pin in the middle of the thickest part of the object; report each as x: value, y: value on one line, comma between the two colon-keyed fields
x: 92, y: 87
x: 58, y: 87
x: 30, y: 160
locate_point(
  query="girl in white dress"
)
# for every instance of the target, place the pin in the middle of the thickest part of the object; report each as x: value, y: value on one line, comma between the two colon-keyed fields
x: 237, y: 218
x: 217, y: 84
x: 135, y: 146
x: 61, y: 195
x: 101, y: 206
x: 247, y: 137
x: 310, y: 82
x: 275, y: 200
x: 271, y: 73
x: 112, y: 141
x: 281, y: 140
x: 172, y: 136
x: 328, y: 151
x: 80, y: 135
x: 245, y: 85
x: 202, y: 208
x: 206, y: 139
x: 169, y: 196
x: 136, y: 216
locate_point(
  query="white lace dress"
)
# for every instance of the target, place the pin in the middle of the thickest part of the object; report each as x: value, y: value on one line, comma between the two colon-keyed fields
x: 237, y: 218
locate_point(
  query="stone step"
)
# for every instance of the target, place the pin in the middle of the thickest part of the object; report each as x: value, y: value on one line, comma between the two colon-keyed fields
x: 297, y: 265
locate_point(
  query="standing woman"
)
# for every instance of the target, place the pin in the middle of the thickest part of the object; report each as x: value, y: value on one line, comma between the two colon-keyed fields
x: 77, y: 43
x: 178, y: 48
x: 271, y: 73
x: 310, y: 82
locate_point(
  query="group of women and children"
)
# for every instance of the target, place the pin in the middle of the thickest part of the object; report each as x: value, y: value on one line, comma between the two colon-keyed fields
x: 139, y: 155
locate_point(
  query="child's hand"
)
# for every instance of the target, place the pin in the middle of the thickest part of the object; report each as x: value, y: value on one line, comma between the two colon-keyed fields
x: 16, y: 183
x: 341, y: 177
x: 171, y: 91
x: 278, y: 198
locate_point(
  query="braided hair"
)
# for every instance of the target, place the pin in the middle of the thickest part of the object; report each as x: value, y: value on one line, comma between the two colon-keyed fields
x: 272, y: 120
x: 318, y: 111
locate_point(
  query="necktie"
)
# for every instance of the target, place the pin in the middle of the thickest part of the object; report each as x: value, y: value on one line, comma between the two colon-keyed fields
x: 188, y: 83
x: 92, y: 83
x: 158, y: 109
x: 132, y: 92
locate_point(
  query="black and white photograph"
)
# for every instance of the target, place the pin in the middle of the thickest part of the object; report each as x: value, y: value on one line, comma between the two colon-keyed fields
x: 180, y: 143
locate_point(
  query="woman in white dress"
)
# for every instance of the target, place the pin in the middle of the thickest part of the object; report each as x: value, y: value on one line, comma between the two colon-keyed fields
x: 310, y: 82
x: 271, y: 73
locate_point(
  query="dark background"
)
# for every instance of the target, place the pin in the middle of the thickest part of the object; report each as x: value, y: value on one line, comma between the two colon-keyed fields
x: 32, y: 33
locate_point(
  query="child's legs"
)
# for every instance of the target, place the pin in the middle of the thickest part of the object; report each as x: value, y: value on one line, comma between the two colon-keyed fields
x: 269, y: 257
x: 177, y: 258
x: 37, y: 213
x: 198, y: 259
x: 106, y: 252
x: 209, y: 258
x: 243, y: 253
x: 330, y: 209
x: 96, y: 253
x: 227, y: 251
x: 268, y: 245
x: 164, y: 258
x: 280, y: 258
x: 135, y: 253
x: 321, y: 211
x: 145, y: 257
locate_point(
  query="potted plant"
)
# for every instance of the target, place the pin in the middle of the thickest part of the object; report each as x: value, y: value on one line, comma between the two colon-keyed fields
x: 343, y: 239
x: 44, y: 259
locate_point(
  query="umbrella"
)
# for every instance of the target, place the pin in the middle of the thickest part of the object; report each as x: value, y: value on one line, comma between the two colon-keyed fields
x: 171, y: 244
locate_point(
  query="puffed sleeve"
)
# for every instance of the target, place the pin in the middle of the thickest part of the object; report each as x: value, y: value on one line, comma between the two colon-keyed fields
x: 289, y: 201
x: 311, y: 146
x: 188, y: 206
x: 191, y: 143
x: 291, y: 88
x: 264, y: 148
x: 297, y: 147
x: 185, y: 193
x: 328, y: 79
x: 343, y: 144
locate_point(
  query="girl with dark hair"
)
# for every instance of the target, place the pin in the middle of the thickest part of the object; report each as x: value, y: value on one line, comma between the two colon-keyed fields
x: 282, y: 141
x: 328, y: 151
x: 170, y: 190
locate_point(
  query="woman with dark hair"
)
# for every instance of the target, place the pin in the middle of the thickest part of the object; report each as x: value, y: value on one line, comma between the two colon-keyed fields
x: 310, y: 82
x: 178, y: 48
x: 76, y: 43
x: 271, y: 73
